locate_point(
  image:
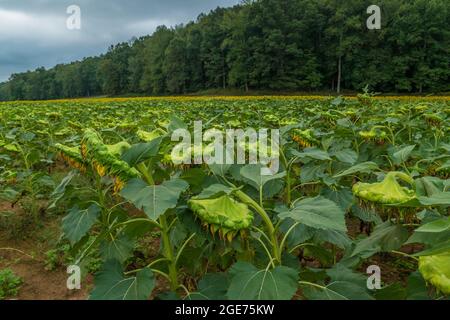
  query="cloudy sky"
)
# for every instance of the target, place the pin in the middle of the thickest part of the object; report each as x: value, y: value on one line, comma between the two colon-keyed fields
x: 33, y: 33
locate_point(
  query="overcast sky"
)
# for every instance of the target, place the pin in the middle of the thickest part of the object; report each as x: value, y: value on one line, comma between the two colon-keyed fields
x: 33, y: 33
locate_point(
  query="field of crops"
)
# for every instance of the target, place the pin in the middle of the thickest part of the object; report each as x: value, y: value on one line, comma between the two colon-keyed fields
x: 359, y: 208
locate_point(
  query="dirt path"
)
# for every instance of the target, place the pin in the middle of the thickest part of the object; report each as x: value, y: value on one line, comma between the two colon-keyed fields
x: 26, y: 258
x: 38, y: 283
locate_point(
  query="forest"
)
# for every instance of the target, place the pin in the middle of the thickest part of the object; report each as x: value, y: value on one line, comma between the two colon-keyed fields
x: 274, y: 45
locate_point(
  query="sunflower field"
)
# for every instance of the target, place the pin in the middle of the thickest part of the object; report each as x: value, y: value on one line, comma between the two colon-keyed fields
x: 363, y: 184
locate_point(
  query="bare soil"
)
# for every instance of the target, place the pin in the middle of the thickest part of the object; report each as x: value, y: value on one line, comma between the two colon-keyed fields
x: 26, y: 258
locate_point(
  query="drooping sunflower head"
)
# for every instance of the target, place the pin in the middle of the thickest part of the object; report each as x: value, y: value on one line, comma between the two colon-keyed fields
x: 421, y: 108
x: 105, y: 159
x: 149, y: 136
x: 433, y: 119
x: 387, y: 192
x: 72, y: 156
x: 388, y: 197
x: 271, y: 119
x: 223, y: 215
x: 91, y: 143
x: 304, y: 138
x: 374, y: 135
x: 288, y: 121
x: 436, y: 270
x: 352, y: 114
x: 234, y: 123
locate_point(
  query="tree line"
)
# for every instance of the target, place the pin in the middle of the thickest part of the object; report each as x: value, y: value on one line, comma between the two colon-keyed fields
x: 277, y: 45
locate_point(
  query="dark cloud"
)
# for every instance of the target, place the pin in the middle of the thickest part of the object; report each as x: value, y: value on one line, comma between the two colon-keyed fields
x: 33, y: 33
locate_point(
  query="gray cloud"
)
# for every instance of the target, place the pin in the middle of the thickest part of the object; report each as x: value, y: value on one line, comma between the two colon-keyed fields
x: 33, y: 33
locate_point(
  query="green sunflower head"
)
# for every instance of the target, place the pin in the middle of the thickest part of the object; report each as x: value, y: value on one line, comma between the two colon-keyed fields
x: 149, y: 136
x: 436, y: 270
x: 387, y: 192
x: 105, y: 159
x: 304, y: 138
x: 433, y: 119
x: 72, y: 156
x: 223, y: 215
x: 375, y: 135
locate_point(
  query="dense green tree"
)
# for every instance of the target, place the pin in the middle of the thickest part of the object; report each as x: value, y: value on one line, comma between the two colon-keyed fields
x: 176, y: 65
x: 153, y: 79
x: 284, y: 45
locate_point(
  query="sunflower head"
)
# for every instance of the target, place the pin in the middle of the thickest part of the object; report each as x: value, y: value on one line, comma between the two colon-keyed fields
x: 149, y: 136
x: 374, y: 135
x: 436, y: 270
x: 304, y: 138
x: 223, y: 215
x: 105, y: 159
x: 72, y: 156
x: 387, y: 192
x: 433, y: 119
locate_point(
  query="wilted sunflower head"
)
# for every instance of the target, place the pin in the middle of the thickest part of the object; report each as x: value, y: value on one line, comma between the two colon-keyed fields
x: 421, y: 108
x: 304, y: 138
x: 223, y: 215
x: 436, y: 270
x: 387, y: 192
x: 105, y: 159
x: 72, y: 156
x: 433, y: 119
x: 388, y: 197
x: 375, y: 135
x: 272, y: 119
x: 149, y: 136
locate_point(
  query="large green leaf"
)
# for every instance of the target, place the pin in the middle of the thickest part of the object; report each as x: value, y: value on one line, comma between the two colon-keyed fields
x: 250, y: 283
x: 312, y: 172
x: 213, y: 286
x: 120, y: 249
x: 403, y: 154
x: 154, y: 200
x: 141, y: 152
x: 312, y: 153
x: 343, y: 197
x: 111, y: 284
x: 299, y: 234
x: 319, y: 213
x: 437, y: 199
x: 360, y: 167
x: 417, y: 288
x: 337, y: 290
x: 252, y: 174
x: 429, y: 238
x: 428, y: 186
x: 338, y: 238
x: 220, y: 169
x: 213, y: 191
x: 60, y: 190
x: 345, y: 284
x: 439, y: 248
x: 386, y: 237
x: 346, y: 156
x: 78, y: 222
x: 436, y: 226
x: 176, y: 123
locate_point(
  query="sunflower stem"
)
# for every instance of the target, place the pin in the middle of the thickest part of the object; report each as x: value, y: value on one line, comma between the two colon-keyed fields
x: 268, y: 222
